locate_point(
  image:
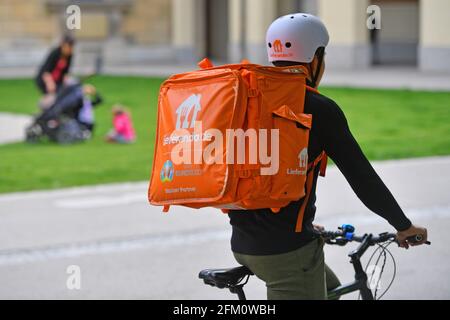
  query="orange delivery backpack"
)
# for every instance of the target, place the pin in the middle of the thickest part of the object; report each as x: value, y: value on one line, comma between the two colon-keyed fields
x: 233, y: 137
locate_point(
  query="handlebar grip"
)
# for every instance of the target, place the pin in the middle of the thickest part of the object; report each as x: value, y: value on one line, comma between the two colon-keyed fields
x: 417, y: 238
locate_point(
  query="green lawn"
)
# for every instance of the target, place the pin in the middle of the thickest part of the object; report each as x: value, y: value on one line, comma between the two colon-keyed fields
x: 44, y: 166
x: 388, y: 124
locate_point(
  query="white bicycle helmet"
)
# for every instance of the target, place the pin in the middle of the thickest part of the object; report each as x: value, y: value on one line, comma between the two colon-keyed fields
x: 295, y: 37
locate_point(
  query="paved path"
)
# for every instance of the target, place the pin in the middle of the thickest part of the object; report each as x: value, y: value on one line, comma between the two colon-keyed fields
x: 12, y: 127
x: 375, y: 77
x: 128, y: 249
x: 388, y: 78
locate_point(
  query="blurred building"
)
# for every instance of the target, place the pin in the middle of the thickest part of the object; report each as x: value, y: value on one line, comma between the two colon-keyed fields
x: 120, y: 32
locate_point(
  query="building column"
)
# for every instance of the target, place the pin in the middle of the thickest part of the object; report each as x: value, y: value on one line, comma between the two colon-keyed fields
x: 309, y: 6
x: 434, y: 42
x: 349, y: 37
x: 259, y: 16
x: 236, y: 30
x: 188, y: 30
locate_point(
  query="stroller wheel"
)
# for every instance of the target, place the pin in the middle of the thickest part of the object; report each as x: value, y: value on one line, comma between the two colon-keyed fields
x: 64, y: 137
x: 31, y: 139
x: 33, y: 133
x: 86, y: 134
x: 69, y: 132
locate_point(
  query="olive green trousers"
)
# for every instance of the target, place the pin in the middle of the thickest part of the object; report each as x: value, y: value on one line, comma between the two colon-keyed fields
x: 297, y: 275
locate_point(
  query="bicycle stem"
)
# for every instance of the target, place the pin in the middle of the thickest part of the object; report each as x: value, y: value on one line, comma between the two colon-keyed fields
x: 362, y: 248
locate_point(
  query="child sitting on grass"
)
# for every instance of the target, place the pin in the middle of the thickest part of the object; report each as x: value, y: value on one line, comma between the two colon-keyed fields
x: 123, y: 131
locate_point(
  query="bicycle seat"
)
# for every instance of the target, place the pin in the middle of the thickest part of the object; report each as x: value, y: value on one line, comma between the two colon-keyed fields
x: 224, y: 278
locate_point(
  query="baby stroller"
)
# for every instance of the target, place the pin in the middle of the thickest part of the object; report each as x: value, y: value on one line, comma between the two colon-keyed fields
x: 69, y: 119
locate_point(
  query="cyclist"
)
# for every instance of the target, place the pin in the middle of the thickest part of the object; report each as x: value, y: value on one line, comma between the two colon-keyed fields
x: 292, y: 264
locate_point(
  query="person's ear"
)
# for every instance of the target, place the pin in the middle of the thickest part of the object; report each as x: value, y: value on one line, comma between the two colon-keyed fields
x: 311, y: 67
x: 314, y: 63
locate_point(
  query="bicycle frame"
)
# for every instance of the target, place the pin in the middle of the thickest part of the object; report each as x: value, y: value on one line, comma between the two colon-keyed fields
x: 342, y: 237
x: 360, y: 282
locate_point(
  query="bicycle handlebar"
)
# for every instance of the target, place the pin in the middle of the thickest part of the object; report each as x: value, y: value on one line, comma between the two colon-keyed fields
x: 340, y: 238
x: 346, y: 234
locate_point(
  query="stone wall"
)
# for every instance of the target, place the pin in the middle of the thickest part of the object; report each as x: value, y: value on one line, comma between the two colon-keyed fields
x: 29, y: 27
x: 25, y: 20
x: 148, y: 22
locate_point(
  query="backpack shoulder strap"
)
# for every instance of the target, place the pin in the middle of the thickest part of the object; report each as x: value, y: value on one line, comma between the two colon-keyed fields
x: 322, y: 161
x: 323, y: 156
x: 312, y: 89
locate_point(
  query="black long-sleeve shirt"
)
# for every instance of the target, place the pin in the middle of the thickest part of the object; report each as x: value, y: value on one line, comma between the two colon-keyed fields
x: 260, y: 232
x: 49, y: 66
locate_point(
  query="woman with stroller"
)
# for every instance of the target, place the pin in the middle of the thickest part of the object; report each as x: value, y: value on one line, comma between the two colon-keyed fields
x: 70, y: 118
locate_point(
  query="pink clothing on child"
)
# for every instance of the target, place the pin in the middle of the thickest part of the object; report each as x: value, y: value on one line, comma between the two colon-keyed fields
x: 123, y: 126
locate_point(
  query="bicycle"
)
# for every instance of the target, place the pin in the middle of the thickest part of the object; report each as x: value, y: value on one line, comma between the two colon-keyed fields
x: 236, y: 278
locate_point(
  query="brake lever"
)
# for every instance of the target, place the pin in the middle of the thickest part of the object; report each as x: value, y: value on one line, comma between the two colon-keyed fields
x: 337, y: 241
